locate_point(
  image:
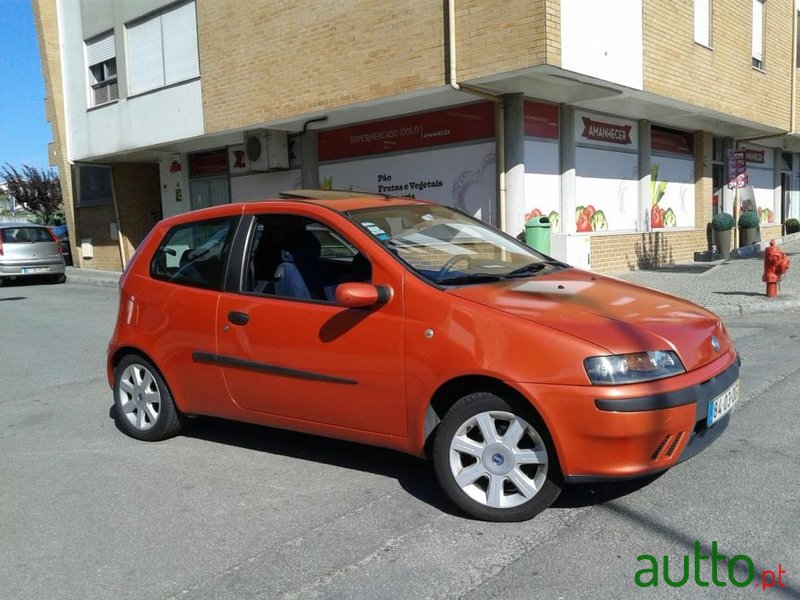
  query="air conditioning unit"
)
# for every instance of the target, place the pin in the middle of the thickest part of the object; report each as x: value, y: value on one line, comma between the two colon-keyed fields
x: 266, y: 149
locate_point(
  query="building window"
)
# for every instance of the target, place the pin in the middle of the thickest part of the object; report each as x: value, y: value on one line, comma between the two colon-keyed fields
x: 758, y: 33
x: 702, y: 22
x: 162, y: 50
x: 101, y: 58
x: 93, y: 184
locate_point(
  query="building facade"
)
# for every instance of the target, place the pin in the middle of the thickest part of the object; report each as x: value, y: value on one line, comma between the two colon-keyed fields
x: 620, y: 126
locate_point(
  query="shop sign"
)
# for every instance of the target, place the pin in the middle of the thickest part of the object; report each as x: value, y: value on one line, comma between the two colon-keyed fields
x: 601, y: 131
x: 737, y: 169
x: 237, y: 160
x: 754, y: 156
x: 448, y: 126
x: 205, y: 164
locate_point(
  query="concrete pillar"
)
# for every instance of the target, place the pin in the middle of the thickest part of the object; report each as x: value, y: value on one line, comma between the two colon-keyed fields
x: 514, y: 147
x: 309, y: 160
x: 644, y: 164
x: 568, y: 175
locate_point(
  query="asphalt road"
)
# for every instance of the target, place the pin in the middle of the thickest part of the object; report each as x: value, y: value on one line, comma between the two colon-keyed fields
x: 236, y: 511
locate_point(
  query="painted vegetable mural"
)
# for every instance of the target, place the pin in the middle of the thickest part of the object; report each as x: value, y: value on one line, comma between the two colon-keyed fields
x: 765, y: 215
x: 588, y: 219
x: 553, y: 217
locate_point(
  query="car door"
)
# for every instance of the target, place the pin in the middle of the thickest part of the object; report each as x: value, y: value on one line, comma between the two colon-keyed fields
x: 309, y: 359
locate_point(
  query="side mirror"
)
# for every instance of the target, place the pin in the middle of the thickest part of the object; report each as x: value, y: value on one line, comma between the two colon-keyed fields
x: 359, y: 295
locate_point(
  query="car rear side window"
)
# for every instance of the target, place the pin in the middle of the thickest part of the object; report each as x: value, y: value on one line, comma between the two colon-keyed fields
x: 195, y: 254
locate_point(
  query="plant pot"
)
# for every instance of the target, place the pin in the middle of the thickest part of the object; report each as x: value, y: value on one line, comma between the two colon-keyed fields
x: 747, y: 236
x: 723, y: 239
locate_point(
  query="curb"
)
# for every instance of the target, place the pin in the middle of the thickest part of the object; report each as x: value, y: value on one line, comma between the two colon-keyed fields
x: 739, y: 310
x: 93, y: 277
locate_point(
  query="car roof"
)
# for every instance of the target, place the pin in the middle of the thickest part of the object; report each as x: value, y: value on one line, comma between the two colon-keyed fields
x: 338, y: 201
x: 17, y: 224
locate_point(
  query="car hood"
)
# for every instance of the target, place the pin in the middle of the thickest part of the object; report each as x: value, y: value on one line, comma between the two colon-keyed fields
x: 611, y: 313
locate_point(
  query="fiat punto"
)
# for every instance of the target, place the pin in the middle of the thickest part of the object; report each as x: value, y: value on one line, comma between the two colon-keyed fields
x: 409, y: 325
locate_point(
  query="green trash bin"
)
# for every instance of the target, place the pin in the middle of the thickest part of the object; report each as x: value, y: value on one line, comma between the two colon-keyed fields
x: 537, y: 234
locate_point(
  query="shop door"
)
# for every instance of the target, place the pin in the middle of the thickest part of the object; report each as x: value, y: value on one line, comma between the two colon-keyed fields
x: 209, y: 191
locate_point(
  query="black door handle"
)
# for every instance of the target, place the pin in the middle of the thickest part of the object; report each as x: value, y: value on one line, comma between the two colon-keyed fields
x: 238, y: 318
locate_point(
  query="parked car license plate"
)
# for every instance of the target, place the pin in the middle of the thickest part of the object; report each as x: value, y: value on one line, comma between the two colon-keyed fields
x: 27, y: 270
x: 722, y: 404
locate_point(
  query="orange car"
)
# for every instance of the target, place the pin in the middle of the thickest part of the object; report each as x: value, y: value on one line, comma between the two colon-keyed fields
x: 406, y: 324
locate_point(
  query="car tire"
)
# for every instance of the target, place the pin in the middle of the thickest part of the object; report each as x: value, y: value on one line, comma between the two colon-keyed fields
x: 143, y: 403
x: 495, y: 459
x: 60, y: 278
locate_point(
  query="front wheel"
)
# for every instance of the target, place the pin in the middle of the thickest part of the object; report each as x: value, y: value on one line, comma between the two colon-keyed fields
x: 144, y: 406
x: 496, y: 460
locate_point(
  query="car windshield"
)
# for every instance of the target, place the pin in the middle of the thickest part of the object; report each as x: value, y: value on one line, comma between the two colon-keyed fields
x: 449, y: 247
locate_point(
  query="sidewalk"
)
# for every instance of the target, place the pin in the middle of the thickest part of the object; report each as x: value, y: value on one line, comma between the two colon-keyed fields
x: 729, y: 287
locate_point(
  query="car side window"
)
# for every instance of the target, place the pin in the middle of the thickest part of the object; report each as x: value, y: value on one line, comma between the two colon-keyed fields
x: 194, y: 254
x: 296, y: 257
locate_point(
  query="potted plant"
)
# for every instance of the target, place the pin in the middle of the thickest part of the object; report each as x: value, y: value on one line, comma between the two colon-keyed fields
x: 722, y: 223
x: 792, y: 226
x: 748, y: 228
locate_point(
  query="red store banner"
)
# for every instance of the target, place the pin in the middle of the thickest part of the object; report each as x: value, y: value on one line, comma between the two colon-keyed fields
x: 424, y: 130
x: 677, y: 142
x: 541, y: 120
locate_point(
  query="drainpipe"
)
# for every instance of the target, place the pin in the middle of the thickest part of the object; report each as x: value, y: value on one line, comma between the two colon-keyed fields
x: 793, y: 64
x: 500, y: 163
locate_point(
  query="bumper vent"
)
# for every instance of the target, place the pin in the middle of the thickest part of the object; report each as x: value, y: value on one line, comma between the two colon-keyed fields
x: 674, y: 444
x: 673, y: 439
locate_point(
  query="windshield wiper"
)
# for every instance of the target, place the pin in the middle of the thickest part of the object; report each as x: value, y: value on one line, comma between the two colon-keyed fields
x: 470, y: 278
x: 534, y: 267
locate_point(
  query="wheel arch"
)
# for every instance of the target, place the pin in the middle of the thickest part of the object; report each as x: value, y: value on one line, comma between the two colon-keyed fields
x: 451, y: 391
x: 124, y: 351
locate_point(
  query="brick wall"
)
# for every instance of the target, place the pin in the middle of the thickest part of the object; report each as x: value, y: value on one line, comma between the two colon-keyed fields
x: 46, y: 20
x: 629, y: 252
x: 506, y: 35
x: 137, y: 189
x: 721, y: 78
x: 92, y: 222
x: 288, y: 58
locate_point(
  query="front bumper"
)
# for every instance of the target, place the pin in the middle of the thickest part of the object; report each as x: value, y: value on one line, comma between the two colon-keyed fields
x: 621, y: 432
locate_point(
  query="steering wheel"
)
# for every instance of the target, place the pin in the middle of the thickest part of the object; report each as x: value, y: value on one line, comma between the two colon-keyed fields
x: 451, y: 262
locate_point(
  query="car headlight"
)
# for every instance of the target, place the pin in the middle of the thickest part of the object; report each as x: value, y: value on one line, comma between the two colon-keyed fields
x: 632, y: 368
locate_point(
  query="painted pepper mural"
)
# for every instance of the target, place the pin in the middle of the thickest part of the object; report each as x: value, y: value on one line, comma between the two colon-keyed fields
x: 659, y: 218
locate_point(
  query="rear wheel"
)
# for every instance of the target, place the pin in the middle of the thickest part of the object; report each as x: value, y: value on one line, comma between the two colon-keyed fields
x: 144, y: 406
x: 60, y: 278
x: 495, y: 459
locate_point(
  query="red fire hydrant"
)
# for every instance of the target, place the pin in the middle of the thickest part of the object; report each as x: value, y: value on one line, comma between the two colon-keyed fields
x: 776, y: 263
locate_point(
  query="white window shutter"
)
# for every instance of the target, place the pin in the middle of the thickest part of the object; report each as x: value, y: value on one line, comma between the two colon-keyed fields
x: 100, y: 49
x: 180, y: 44
x: 758, y: 30
x: 702, y: 22
x: 145, y: 57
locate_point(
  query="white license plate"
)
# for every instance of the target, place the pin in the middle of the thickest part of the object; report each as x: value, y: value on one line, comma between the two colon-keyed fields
x: 722, y: 404
x: 28, y: 270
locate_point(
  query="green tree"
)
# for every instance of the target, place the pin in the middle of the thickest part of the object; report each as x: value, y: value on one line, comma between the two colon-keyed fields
x: 37, y: 190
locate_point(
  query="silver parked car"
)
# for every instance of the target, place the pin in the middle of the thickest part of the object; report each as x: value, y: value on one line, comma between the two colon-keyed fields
x: 28, y: 250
